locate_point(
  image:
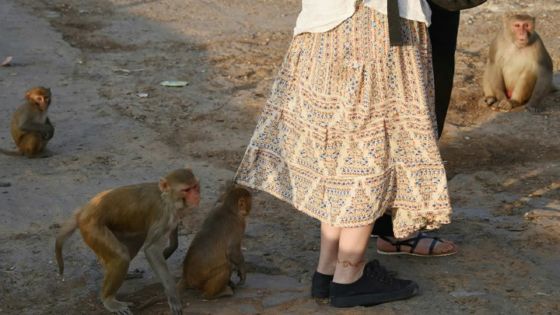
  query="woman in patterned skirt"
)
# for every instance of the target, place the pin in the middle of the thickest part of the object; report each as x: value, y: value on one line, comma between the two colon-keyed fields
x: 348, y: 134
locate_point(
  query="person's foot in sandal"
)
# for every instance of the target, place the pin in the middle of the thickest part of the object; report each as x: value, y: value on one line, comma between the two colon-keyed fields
x: 419, y: 245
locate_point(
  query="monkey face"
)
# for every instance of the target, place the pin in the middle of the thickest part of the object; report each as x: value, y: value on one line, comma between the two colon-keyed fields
x: 522, y: 31
x: 39, y: 96
x: 188, y: 194
x: 191, y: 194
x: 181, y: 186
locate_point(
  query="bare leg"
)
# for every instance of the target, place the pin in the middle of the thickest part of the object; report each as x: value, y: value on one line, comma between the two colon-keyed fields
x: 328, y: 255
x: 351, y: 249
x: 357, y: 283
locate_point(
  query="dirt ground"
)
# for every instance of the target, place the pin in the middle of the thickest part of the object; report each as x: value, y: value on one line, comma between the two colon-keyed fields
x: 97, y: 56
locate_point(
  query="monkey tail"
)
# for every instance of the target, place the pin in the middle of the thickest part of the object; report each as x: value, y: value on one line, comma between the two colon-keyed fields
x: 11, y: 153
x: 65, y: 232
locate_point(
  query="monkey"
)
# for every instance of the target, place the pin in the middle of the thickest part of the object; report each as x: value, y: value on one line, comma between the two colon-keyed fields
x: 215, y: 251
x: 174, y: 235
x: 30, y: 126
x: 519, y: 68
x: 116, y: 223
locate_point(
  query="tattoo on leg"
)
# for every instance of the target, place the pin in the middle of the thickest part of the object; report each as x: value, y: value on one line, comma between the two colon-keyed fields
x: 346, y: 263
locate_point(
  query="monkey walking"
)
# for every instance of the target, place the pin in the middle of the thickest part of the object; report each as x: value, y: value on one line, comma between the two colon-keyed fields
x: 116, y: 223
x: 519, y: 68
x: 215, y: 251
x: 30, y: 127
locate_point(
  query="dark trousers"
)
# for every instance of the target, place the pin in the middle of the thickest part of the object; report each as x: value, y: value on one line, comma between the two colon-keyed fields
x: 443, y: 36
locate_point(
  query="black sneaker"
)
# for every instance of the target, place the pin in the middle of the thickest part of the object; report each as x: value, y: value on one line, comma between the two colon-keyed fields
x: 376, y: 286
x: 320, y: 285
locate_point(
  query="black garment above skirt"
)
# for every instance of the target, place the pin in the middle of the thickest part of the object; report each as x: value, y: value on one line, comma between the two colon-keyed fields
x: 443, y: 36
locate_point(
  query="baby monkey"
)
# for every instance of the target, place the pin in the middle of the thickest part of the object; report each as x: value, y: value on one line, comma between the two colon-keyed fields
x: 116, y: 223
x: 215, y: 251
x: 31, y: 128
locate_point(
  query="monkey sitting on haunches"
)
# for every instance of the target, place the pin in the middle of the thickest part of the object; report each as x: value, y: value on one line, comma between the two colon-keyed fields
x: 519, y: 69
x: 215, y: 251
x: 31, y: 128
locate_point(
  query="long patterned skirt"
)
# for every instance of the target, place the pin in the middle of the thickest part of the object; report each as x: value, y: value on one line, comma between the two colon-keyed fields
x: 349, y: 130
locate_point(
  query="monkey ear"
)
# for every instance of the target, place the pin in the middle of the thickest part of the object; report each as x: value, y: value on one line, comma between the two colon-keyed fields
x: 163, y: 185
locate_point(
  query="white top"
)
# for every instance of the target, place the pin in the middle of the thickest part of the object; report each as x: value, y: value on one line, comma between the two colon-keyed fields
x: 318, y: 16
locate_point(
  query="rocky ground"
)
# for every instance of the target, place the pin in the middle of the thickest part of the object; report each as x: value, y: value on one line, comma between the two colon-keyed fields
x: 101, y: 57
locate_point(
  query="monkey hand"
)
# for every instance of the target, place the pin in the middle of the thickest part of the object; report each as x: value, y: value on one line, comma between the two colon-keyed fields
x: 487, y: 101
x: 47, y: 134
x: 175, y: 305
x: 504, y: 105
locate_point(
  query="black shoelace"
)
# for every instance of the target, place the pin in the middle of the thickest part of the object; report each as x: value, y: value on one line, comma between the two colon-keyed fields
x: 376, y: 271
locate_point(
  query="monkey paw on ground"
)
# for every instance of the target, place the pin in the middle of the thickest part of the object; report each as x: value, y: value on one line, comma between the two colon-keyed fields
x: 487, y: 101
x: 504, y: 106
x: 118, y: 307
x: 175, y: 305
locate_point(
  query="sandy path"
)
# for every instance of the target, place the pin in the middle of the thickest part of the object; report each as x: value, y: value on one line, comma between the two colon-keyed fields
x: 501, y: 165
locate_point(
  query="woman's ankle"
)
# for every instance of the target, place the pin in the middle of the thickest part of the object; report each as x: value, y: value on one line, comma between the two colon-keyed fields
x: 326, y: 268
x: 347, y: 272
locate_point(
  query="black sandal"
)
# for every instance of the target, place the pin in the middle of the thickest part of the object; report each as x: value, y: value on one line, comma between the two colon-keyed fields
x: 412, y: 243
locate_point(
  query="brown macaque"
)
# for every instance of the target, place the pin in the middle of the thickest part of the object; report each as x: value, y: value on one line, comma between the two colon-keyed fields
x: 519, y: 69
x: 116, y: 223
x: 215, y: 251
x: 31, y: 128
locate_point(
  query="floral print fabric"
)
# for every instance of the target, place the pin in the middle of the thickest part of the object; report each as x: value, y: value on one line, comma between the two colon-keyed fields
x: 349, y: 130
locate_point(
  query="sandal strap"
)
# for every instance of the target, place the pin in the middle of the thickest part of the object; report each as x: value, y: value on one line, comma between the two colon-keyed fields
x: 435, y: 240
x: 410, y: 242
x: 413, y: 242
